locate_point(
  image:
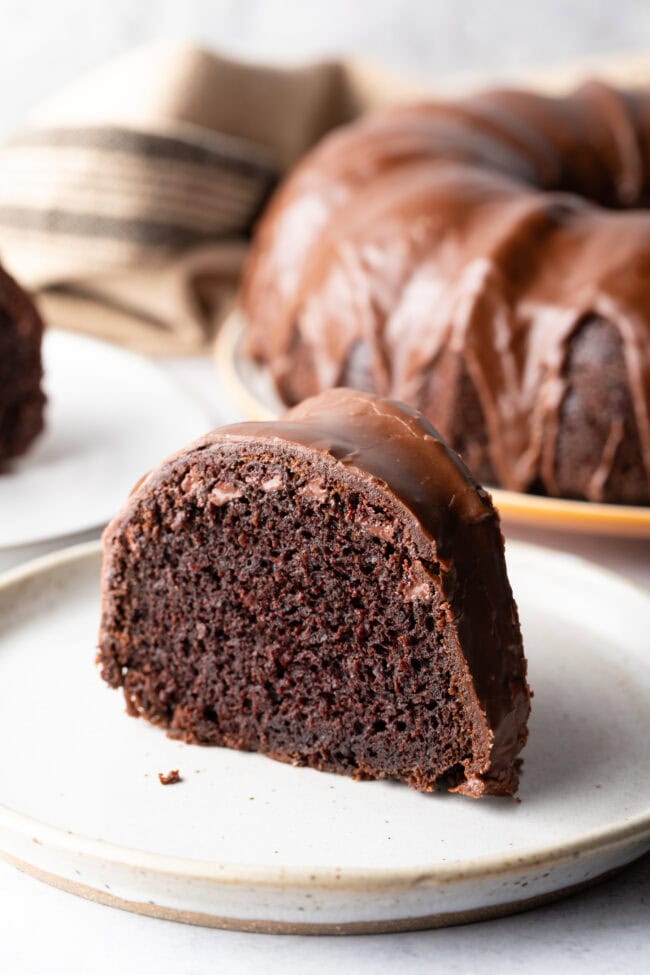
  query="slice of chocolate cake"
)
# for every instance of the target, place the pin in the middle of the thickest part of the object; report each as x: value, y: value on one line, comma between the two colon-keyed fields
x: 21, y: 397
x: 330, y: 590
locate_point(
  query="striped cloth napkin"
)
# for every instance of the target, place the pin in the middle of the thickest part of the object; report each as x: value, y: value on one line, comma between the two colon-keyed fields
x: 127, y: 203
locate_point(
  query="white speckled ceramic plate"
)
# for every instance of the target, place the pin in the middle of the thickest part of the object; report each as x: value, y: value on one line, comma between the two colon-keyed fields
x: 249, y: 843
x: 250, y: 386
x: 111, y: 415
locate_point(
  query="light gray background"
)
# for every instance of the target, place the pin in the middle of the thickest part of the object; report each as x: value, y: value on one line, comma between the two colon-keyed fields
x: 45, y: 43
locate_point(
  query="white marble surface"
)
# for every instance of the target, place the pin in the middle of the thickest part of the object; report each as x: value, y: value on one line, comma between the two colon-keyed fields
x: 43, y: 45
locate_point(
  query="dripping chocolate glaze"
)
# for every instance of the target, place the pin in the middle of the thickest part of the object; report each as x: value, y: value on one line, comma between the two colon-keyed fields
x: 486, y: 230
x: 393, y: 449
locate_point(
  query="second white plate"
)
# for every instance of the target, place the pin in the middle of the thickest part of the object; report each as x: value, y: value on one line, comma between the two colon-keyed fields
x: 111, y: 416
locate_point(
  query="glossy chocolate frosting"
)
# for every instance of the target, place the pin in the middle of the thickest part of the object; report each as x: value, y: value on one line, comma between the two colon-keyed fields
x: 431, y: 245
x: 395, y: 454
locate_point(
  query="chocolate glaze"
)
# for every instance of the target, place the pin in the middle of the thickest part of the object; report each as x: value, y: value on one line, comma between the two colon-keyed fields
x: 394, y: 453
x: 467, y: 239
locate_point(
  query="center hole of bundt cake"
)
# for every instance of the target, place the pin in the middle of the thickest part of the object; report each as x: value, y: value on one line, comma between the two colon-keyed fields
x: 274, y: 610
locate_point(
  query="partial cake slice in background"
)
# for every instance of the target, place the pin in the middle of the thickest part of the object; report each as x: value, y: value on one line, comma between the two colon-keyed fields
x: 21, y: 398
x: 329, y: 589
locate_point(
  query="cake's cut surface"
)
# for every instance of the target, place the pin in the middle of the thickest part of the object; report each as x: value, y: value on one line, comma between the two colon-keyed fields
x: 21, y: 398
x: 486, y: 261
x: 330, y: 590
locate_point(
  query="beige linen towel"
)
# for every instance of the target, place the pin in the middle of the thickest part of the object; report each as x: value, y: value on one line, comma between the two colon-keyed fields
x: 127, y: 203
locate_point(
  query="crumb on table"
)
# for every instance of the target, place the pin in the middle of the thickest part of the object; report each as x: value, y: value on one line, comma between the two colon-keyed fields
x: 170, y: 778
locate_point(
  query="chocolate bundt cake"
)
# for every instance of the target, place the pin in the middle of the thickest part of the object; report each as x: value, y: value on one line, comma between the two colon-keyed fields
x: 329, y: 590
x: 486, y: 261
x: 21, y: 399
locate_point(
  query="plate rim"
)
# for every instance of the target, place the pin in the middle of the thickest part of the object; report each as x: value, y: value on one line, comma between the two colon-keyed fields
x: 619, y: 520
x: 150, y: 364
x: 592, y: 842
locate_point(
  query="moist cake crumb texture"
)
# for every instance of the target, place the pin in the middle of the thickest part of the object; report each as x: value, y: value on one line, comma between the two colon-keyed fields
x: 329, y: 590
